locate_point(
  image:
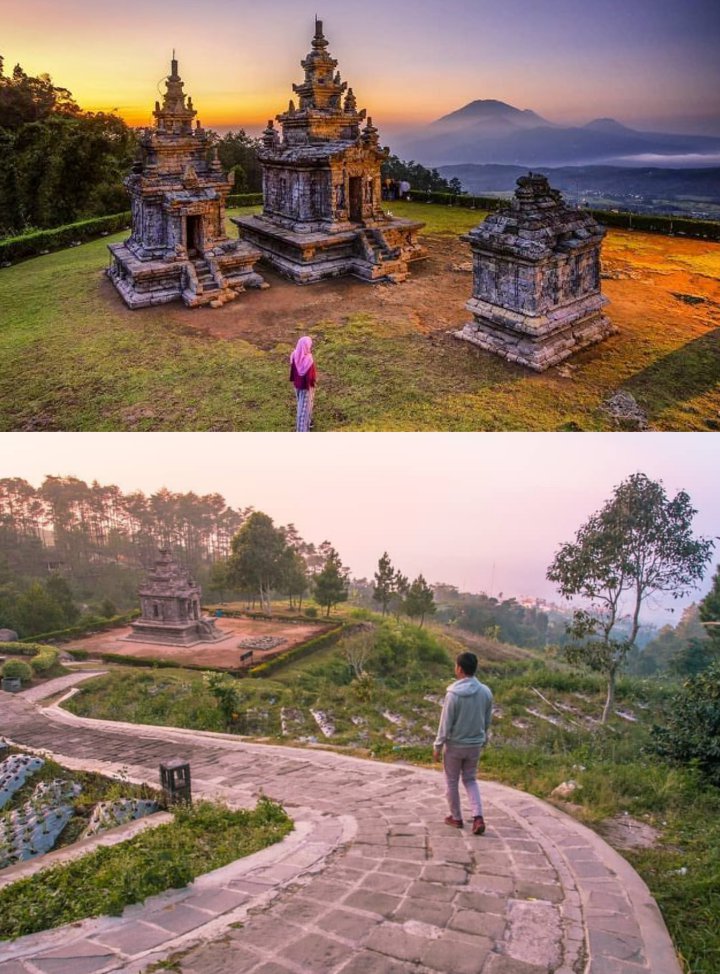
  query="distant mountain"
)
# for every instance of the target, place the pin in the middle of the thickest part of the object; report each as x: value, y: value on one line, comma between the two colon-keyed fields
x: 607, y: 125
x: 489, y: 131
x: 489, y: 114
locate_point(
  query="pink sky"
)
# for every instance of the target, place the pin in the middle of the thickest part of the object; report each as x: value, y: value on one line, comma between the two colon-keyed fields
x: 645, y: 62
x: 478, y: 510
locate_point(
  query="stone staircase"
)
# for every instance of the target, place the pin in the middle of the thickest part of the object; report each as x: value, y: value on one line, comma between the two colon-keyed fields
x: 205, y: 285
x: 382, y: 262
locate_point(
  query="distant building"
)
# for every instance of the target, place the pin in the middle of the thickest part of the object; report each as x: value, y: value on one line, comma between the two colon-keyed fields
x: 170, y: 608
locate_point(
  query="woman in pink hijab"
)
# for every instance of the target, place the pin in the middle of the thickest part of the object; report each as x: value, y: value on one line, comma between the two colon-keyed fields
x: 303, y: 376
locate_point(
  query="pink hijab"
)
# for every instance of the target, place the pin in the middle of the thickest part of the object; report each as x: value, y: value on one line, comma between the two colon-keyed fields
x: 302, y: 358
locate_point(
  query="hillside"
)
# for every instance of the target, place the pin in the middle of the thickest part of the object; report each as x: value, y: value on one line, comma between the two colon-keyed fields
x: 73, y: 357
x: 647, y: 189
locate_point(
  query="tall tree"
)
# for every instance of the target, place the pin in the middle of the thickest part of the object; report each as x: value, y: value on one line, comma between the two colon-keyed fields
x: 420, y: 600
x: 331, y: 584
x: 639, y: 544
x: 384, y: 582
x: 256, y: 562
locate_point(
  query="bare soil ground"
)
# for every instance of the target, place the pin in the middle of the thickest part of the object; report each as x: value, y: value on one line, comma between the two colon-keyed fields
x: 224, y: 655
x: 669, y: 281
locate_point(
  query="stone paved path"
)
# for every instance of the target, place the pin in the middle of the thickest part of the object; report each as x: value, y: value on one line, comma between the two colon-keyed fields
x: 371, y: 881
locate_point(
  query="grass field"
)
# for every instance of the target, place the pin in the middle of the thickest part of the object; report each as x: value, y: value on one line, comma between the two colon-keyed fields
x: 73, y: 357
x: 546, y: 732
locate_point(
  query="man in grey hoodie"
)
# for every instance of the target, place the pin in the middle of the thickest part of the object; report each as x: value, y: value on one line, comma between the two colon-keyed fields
x: 464, y: 724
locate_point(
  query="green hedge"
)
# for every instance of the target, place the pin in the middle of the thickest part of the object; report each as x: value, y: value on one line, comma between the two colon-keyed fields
x: 659, y: 223
x: 305, y: 649
x: 455, y: 199
x: 264, y: 616
x: 87, y: 629
x: 37, y: 241
x: 648, y: 222
x: 245, y: 199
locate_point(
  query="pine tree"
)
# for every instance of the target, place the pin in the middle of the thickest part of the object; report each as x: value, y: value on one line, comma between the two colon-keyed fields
x: 331, y: 585
x: 384, y: 582
x: 420, y: 600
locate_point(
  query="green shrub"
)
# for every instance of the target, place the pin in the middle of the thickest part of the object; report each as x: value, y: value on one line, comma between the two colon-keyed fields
x: 311, y: 612
x: 690, y: 733
x: 245, y: 199
x: 15, y: 669
x: 45, y: 660
x: 34, y: 243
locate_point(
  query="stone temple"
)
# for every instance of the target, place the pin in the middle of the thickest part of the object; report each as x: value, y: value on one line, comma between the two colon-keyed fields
x: 322, y: 206
x: 170, y: 608
x: 536, y: 279
x: 178, y: 247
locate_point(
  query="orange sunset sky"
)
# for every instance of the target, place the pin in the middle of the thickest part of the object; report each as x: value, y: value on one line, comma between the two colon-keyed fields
x: 644, y: 62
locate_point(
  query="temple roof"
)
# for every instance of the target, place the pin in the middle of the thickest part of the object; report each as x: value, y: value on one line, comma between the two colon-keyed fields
x: 322, y: 115
x: 167, y: 579
x: 174, y: 116
x: 537, y: 223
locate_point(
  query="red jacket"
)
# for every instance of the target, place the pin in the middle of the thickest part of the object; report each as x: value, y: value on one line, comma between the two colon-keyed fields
x: 306, y: 381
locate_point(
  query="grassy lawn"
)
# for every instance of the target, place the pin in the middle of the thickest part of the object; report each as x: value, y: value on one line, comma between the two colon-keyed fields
x: 74, y: 358
x: 546, y: 732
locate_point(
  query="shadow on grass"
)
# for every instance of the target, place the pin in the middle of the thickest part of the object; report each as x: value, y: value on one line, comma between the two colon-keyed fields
x: 689, y: 371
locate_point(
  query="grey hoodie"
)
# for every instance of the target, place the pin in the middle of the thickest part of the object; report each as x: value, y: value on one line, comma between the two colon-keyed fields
x: 466, y: 714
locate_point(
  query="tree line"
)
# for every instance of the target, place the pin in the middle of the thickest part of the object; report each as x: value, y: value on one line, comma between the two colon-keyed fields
x: 95, y: 542
x: 60, y: 164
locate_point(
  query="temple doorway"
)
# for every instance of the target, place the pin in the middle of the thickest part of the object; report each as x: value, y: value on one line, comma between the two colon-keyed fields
x: 194, y: 235
x: 355, y: 199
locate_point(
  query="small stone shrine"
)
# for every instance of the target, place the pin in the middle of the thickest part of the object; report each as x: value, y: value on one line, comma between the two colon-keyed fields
x: 536, y: 279
x: 322, y: 206
x: 178, y: 247
x: 170, y: 608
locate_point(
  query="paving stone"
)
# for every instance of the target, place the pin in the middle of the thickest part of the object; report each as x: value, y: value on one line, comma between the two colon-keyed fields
x: 217, y: 901
x: 412, y: 869
x: 490, y: 884
x: 69, y: 965
x: 482, y: 924
x: 374, y: 902
x: 432, y: 891
x: 131, y: 938
x: 300, y: 909
x: 348, y: 925
x: 386, y: 882
x: 220, y: 958
x: 327, y: 892
x: 427, y: 911
x: 538, y: 891
x: 434, y: 873
x: 178, y: 918
x: 272, y: 967
x: 457, y: 956
x: 367, y: 962
x: 501, y: 964
x: 265, y: 932
x: 613, y: 923
x: 313, y: 952
x: 612, y: 945
x: 481, y: 902
x: 392, y: 939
